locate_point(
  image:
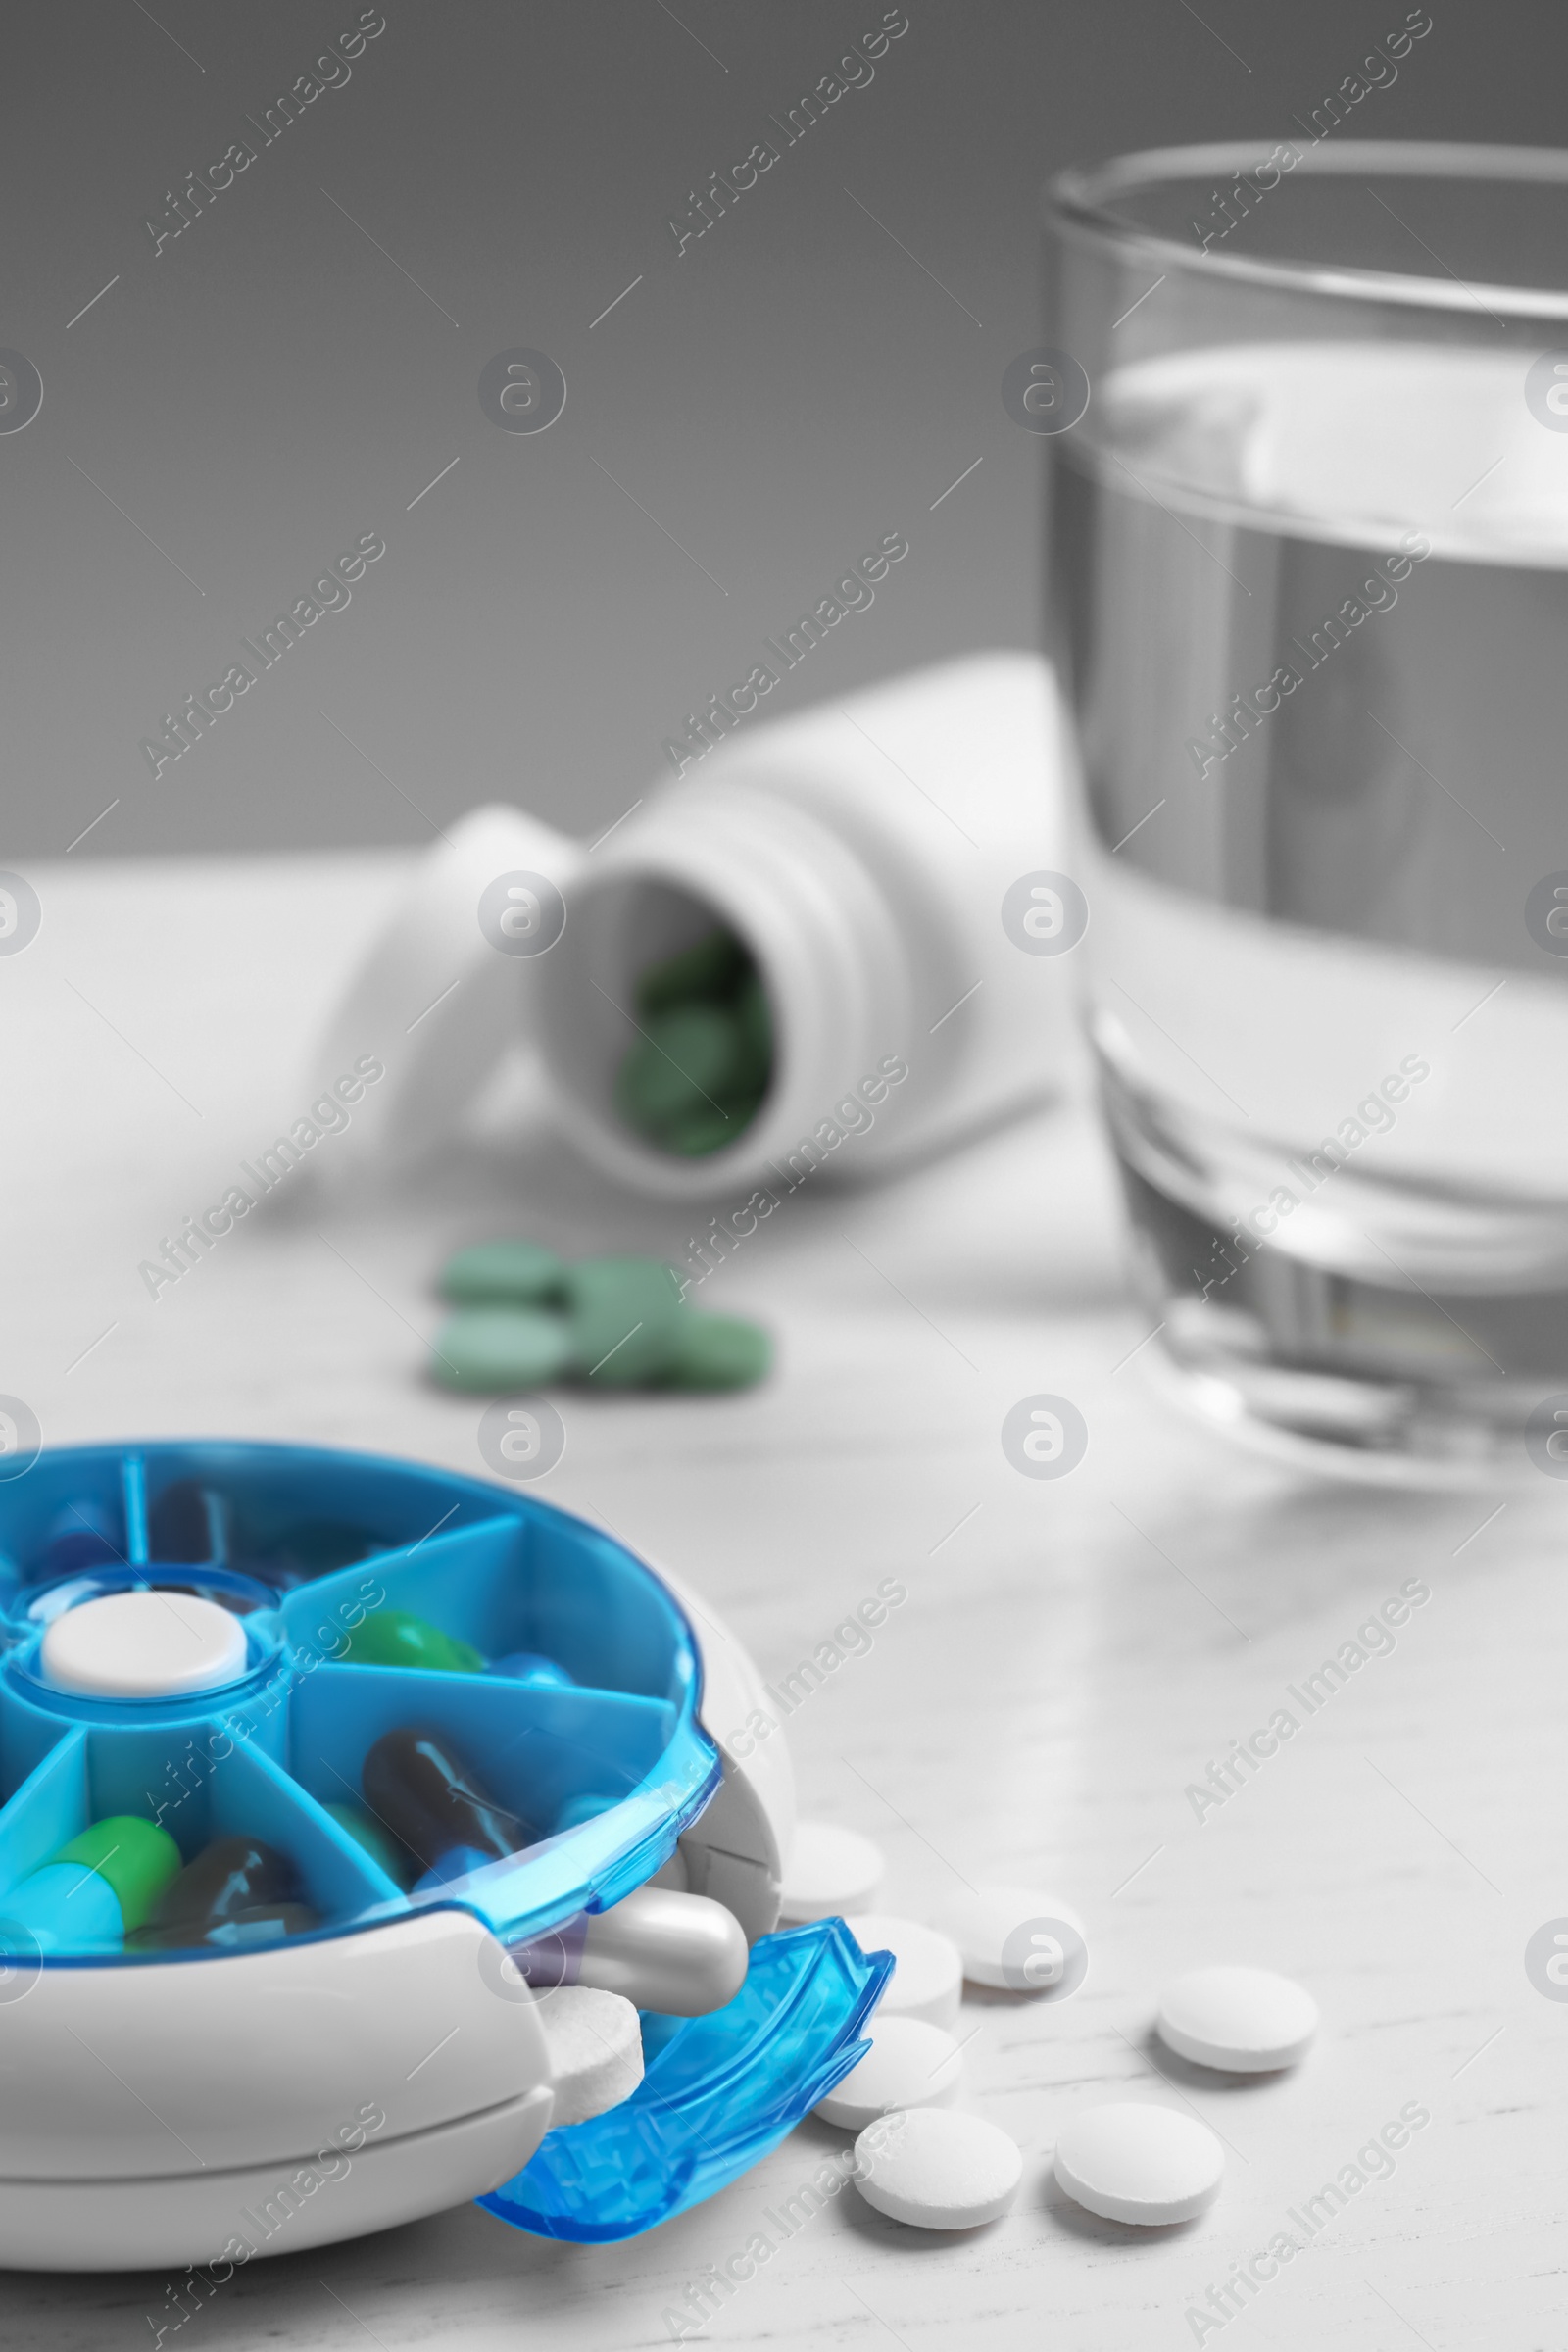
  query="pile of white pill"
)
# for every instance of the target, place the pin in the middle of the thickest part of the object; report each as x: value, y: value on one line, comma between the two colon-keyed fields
x: 919, y: 2159
x: 909, y: 2064
x: 831, y: 1873
x: 927, y: 1980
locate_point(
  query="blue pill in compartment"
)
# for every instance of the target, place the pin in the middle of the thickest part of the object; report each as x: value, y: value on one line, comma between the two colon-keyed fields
x: 531, y: 1666
x: 64, y: 1907
x: 455, y: 1864
x: 84, y: 1535
x: 188, y: 1522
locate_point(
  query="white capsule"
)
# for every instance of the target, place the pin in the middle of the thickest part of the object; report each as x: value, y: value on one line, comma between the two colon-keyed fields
x: 937, y: 2169
x: 927, y: 1979
x: 681, y: 1954
x: 1247, y: 2021
x: 1018, y: 1939
x: 831, y: 1873
x: 909, y: 2064
x: 1134, y: 2163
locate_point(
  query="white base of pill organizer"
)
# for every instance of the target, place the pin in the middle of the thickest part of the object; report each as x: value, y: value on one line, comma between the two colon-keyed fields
x: 143, y: 2108
x: 206, y: 2220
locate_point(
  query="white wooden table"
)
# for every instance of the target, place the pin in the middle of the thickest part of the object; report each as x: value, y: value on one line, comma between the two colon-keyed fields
x: 1071, y: 1657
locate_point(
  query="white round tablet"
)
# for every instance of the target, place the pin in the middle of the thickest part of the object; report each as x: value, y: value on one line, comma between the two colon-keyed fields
x: 1132, y: 2163
x: 927, y: 1979
x: 1246, y: 2019
x: 596, y: 2050
x: 937, y: 2169
x: 148, y: 1644
x: 1018, y: 1939
x: 830, y: 1874
x: 909, y: 2064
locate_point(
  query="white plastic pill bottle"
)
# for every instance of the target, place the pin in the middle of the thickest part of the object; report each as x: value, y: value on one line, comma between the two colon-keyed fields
x: 891, y: 865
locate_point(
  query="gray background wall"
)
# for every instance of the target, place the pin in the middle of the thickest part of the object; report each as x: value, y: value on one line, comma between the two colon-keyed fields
x: 292, y: 369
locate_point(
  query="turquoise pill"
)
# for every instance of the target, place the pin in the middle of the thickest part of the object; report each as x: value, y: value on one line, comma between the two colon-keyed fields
x: 137, y: 1857
x: 512, y: 1273
x: 627, y: 1318
x: 500, y: 1347
x: 67, y: 1909
x: 719, y: 1351
x: 99, y: 1886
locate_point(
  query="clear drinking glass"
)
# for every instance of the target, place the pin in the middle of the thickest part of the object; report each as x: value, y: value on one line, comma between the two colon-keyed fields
x: 1308, y: 531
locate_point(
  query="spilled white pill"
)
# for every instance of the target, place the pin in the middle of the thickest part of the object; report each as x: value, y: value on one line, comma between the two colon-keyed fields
x: 927, y: 1979
x: 1246, y: 2019
x: 831, y: 1873
x: 909, y: 2064
x: 937, y: 2169
x: 1019, y: 1939
x: 1132, y: 2163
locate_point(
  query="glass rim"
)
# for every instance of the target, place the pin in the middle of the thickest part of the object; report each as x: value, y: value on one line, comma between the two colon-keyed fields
x: 1080, y: 206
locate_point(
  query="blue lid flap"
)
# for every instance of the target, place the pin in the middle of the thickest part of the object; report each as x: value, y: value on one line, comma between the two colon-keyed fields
x: 721, y: 2091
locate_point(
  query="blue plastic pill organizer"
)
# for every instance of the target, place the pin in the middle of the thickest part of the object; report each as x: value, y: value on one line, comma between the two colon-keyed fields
x: 616, y: 1765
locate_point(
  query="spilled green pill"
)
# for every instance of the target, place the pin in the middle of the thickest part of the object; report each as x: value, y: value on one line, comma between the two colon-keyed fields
x: 517, y: 1273
x: 625, y: 1317
x: 617, y: 1322
x: 495, y: 1348
x: 719, y: 1351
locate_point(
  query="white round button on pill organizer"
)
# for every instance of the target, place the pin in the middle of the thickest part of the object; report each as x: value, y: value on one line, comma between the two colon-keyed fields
x: 1247, y: 2021
x: 937, y: 2169
x: 909, y: 2064
x: 1129, y: 2162
x: 151, y: 1645
x: 829, y: 1871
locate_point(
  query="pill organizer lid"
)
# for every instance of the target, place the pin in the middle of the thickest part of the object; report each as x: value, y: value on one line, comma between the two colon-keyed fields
x: 719, y: 2093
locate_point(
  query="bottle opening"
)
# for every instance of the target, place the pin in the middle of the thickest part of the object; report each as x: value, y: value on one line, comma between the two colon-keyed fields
x: 698, y: 1062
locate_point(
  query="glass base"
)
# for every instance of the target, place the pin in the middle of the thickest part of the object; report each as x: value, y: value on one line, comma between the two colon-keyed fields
x: 1423, y: 1341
